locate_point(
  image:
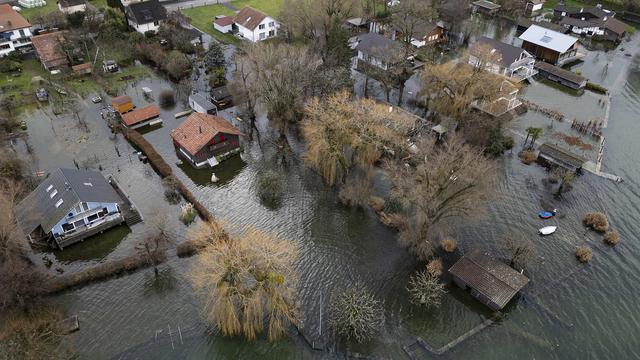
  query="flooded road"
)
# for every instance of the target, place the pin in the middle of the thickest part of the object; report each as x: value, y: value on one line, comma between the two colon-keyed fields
x: 568, y: 310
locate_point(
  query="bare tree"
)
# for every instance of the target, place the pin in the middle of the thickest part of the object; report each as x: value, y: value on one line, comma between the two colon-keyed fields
x: 153, y: 247
x: 312, y: 19
x: 248, y: 279
x: 356, y: 314
x: 437, y: 183
x: 565, y: 179
x: 521, y: 252
x: 425, y: 289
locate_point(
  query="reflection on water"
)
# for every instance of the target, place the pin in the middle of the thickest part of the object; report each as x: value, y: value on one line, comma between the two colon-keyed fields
x: 225, y: 171
x: 161, y: 284
x: 96, y: 247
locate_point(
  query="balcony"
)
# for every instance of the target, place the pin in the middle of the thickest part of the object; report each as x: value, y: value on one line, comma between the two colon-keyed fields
x: 83, y: 232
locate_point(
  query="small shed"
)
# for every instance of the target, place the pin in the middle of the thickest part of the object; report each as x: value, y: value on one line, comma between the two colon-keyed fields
x: 221, y: 97
x: 561, y: 76
x: 199, y: 103
x: 492, y: 282
x: 140, y: 117
x: 82, y: 69
x: 554, y: 155
x: 122, y: 103
x: 485, y: 7
x: 224, y: 24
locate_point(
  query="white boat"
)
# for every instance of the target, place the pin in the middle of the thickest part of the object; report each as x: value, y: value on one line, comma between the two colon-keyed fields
x: 548, y: 230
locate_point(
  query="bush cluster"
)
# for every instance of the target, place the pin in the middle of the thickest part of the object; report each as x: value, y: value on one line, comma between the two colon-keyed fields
x: 597, y: 221
x: 584, y: 254
x: 449, y: 244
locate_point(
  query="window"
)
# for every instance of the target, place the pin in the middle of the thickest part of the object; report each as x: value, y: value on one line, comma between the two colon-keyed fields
x: 262, y: 36
x: 53, y: 193
x: 59, y: 203
x: 5, y: 46
x: 21, y: 32
x: 67, y: 227
x: 92, y: 218
x: 261, y: 26
x: 84, y: 206
x: 155, y: 23
x: 49, y: 188
x: 272, y: 33
x: 272, y: 24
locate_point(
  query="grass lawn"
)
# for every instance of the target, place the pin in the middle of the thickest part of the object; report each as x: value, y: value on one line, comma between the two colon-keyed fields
x: 31, y: 13
x: 202, y: 17
x: 19, y: 87
x: 615, y: 4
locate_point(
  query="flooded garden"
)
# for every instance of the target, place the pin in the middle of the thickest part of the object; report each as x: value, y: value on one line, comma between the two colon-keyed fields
x: 569, y: 310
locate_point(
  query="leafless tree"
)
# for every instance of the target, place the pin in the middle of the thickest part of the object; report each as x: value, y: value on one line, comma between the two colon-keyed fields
x: 356, y: 314
x: 437, y: 183
x: 153, y: 247
x: 521, y: 252
x: 426, y: 289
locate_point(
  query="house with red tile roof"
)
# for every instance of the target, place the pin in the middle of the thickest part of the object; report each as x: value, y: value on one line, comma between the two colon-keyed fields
x: 49, y: 51
x: 15, y: 30
x: 206, y: 140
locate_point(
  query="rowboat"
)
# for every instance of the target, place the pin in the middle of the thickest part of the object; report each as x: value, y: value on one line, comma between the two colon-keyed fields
x: 548, y: 230
x: 547, y: 214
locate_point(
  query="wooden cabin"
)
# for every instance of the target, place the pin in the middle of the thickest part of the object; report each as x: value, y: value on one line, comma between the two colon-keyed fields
x: 122, y: 104
x: 554, y: 155
x: 147, y: 115
x: 206, y: 140
x: 492, y: 282
x: 550, y: 46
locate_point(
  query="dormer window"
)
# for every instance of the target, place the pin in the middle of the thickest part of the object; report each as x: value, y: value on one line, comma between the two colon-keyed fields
x: 58, y: 203
x: 53, y: 193
x: 49, y: 188
x: 261, y: 26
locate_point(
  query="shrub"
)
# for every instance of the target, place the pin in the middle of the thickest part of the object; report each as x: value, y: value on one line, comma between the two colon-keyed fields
x: 596, y: 88
x: 187, y: 213
x: 584, y: 254
x: 434, y: 267
x: 597, y: 221
x: 394, y: 220
x: 177, y: 65
x: 270, y: 187
x: 612, y: 237
x: 355, y: 193
x: 426, y: 289
x: 356, y: 314
x: 171, y: 189
x: 449, y: 245
x: 167, y: 98
x: 528, y: 157
x: 376, y: 203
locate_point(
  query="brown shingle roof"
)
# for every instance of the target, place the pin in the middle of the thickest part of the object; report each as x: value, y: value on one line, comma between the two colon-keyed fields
x: 560, y: 72
x: 249, y: 17
x: 492, y: 278
x: 140, y: 115
x: 615, y: 26
x: 48, y: 49
x: 122, y: 99
x: 225, y: 21
x: 10, y: 19
x: 199, y: 129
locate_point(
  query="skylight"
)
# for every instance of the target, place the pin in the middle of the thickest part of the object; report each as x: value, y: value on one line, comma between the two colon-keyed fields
x: 49, y: 188
x: 546, y: 39
x: 53, y: 193
x: 88, y: 184
x: 58, y: 203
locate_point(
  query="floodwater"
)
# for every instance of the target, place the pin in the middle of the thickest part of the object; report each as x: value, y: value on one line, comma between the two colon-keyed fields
x: 568, y: 310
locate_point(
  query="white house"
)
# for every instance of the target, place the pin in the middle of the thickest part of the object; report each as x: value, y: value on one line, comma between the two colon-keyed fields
x: 14, y: 30
x: 146, y: 15
x: 224, y: 24
x: 199, y: 103
x: 72, y: 6
x: 502, y: 59
x: 68, y: 206
x: 377, y: 50
x: 255, y: 26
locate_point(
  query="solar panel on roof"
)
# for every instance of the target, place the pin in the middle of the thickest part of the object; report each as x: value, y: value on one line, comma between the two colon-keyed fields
x: 546, y: 39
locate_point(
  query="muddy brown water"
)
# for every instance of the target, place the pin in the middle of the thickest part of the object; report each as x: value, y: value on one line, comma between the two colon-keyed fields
x: 139, y: 317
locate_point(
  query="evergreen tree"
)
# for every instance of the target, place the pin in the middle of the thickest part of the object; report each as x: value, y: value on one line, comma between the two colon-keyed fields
x: 214, y: 57
x: 338, y: 52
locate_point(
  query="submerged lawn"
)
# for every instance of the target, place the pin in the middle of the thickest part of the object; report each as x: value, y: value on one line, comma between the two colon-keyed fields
x: 202, y: 17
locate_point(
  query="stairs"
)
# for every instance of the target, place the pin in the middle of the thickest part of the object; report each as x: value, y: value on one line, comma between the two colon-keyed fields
x: 131, y: 216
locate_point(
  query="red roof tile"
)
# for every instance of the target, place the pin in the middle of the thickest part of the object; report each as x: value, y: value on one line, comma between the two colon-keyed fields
x: 122, y: 99
x: 225, y: 21
x: 11, y: 19
x: 199, y: 129
x: 48, y: 48
x: 139, y: 115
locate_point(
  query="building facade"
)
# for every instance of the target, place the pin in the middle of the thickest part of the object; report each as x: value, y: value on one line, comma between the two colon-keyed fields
x: 15, y: 33
x: 550, y: 46
x: 502, y: 59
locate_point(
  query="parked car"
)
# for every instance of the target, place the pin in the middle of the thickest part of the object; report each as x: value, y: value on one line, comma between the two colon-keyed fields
x: 96, y: 99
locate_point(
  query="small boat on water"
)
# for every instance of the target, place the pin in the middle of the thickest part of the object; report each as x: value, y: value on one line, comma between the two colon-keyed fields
x: 547, y: 230
x: 547, y: 214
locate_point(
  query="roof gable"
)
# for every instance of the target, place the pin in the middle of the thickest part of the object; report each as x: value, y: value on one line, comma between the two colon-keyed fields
x: 11, y: 19
x: 377, y: 45
x: 140, y: 115
x: 195, y: 132
x: 548, y: 38
x: 249, y: 18
x: 54, y: 198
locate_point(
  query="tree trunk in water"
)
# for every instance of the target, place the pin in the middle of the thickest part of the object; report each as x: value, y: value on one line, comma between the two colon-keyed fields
x: 366, y: 86
x: 401, y: 93
x: 388, y: 94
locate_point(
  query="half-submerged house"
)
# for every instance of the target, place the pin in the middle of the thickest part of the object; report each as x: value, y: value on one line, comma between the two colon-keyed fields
x: 198, y: 102
x: 550, y: 46
x: 379, y: 51
x: 206, y: 140
x: 492, y: 282
x: 554, y: 155
x: 69, y: 206
x: 148, y: 115
x: 502, y: 59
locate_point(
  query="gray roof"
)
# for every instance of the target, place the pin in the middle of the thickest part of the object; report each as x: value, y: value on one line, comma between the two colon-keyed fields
x: 146, y: 12
x: 548, y: 38
x: 560, y: 72
x: 69, y: 185
x: 560, y: 154
x: 202, y: 100
x: 377, y: 45
x: 509, y: 53
x: 492, y: 278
